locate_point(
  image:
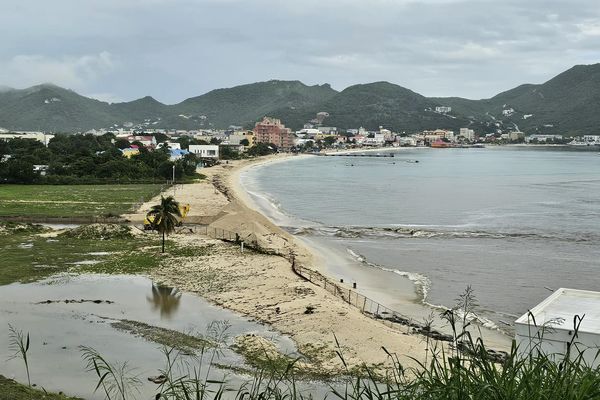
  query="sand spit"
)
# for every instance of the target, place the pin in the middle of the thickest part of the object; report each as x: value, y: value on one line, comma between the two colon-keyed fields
x: 263, y: 286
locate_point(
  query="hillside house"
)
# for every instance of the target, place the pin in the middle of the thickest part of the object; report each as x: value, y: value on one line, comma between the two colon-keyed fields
x: 205, y: 150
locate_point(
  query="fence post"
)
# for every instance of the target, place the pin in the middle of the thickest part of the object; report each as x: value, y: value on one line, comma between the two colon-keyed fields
x: 364, y: 304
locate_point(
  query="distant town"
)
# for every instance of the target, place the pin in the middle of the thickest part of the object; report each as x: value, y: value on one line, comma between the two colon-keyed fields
x: 274, y: 136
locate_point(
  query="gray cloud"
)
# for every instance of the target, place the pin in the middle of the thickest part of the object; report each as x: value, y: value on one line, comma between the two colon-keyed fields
x: 173, y: 49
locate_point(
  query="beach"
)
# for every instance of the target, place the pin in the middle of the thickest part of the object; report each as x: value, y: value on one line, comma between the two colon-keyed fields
x: 264, y: 287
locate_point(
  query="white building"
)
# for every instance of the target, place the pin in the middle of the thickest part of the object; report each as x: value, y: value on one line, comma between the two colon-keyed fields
x: 467, y: 133
x: 406, y: 141
x: 308, y: 133
x: 378, y: 139
x: 328, y: 130
x: 594, y: 139
x: 443, y: 109
x: 554, y: 327
x: 542, y: 138
x: 205, y: 150
x: 39, y: 136
x: 515, y: 135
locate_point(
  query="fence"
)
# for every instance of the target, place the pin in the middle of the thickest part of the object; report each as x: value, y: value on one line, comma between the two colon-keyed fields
x: 222, y: 234
x: 365, y: 305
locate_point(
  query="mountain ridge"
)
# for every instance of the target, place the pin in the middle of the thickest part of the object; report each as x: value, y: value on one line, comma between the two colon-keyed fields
x: 567, y: 103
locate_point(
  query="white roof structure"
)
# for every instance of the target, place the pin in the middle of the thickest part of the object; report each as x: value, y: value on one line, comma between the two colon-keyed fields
x: 550, y: 327
x: 566, y: 303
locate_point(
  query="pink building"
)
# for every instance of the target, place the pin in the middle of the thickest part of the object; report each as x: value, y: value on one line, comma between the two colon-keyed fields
x: 271, y: 130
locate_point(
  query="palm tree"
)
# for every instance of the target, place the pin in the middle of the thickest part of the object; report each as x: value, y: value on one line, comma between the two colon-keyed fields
x: 164, y: 217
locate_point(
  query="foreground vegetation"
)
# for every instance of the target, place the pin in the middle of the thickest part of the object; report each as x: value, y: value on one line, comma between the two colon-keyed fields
x: 449, y: 375
x: 73, y: 200
x: 11, y: 390
x: 89, y: 159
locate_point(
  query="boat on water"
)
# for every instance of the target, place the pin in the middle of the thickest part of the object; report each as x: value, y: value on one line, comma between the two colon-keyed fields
x: 440, y: 144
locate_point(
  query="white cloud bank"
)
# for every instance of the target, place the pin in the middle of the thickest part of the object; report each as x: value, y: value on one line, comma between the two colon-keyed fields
x: 73, y: 72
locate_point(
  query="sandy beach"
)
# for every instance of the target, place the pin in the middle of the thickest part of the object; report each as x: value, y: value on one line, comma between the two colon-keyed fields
x: 264, y: 287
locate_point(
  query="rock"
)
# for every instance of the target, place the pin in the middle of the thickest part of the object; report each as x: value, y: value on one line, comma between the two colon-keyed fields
x: 309, y: 310
x: 159, y: 380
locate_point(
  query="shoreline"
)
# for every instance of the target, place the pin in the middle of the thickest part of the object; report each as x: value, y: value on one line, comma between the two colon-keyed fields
x: 265, y: 286
x: 399, y: 291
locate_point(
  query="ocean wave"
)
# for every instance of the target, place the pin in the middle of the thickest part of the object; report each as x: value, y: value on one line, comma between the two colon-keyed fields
x: 400, y: 232
x: 423, y: 285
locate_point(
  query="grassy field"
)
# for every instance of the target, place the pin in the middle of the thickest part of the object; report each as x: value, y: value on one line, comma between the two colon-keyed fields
x: 72, y: 200
x: 27, y: 256
x: 11, y: 390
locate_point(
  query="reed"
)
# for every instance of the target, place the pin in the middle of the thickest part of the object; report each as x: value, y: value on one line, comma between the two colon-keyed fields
x: 449, y: 374
x: 19, y: 344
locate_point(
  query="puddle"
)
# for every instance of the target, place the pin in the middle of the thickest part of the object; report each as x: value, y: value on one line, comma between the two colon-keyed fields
x: 58, y: 227
x: 44, y: 266
x: 100, y: 253
x: 61, y: 314
x: 85, y: 262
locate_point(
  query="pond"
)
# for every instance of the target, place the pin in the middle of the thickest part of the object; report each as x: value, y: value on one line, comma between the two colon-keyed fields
x: 67, y: 311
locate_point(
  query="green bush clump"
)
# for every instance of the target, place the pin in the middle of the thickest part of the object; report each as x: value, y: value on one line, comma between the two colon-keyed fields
x: 100, y: 232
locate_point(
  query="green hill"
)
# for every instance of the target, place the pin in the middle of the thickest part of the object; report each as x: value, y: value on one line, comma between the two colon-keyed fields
x: 568, y: 103
x: 51, y: 108
x: 245, y: 104
x: 373, y: 105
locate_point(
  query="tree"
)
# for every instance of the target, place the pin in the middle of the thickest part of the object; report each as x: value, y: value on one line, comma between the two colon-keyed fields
x: 161, y: 137
x: 164, y: 217
x: 228, y: 153
x: 17, y: 171
x: 262, y: 149
x: 329, y: 140
x: 122, y: 143
x: 245, y: 142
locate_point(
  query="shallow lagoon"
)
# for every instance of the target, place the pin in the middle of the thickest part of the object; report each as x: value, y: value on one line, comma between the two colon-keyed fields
x: 57, y: 328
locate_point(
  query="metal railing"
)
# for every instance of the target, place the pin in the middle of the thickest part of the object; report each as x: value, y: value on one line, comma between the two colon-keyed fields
x: 364, y: 304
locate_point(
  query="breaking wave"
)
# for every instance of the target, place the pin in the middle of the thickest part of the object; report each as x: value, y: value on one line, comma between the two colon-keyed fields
x: 423, y: 284
x: 401, y: 232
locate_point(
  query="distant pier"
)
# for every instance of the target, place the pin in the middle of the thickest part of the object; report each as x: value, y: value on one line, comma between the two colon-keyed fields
x: 390, y: 155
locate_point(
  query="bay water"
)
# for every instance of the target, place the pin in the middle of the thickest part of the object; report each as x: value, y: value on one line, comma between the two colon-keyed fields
x: 511, y: 222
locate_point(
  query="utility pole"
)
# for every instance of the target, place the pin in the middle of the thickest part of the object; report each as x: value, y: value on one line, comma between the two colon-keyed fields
x: 173, y: 180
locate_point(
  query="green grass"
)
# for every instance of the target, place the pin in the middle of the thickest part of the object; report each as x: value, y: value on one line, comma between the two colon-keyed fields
x: 186, y: 343
x: 27, y: 257
x: 11, y: 390
x: 72, y: 200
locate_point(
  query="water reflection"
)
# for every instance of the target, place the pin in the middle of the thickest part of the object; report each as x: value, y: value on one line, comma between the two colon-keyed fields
x: 164, y: 299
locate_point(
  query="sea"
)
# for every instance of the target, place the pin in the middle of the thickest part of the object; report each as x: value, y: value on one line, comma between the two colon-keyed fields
x: 512, y: 223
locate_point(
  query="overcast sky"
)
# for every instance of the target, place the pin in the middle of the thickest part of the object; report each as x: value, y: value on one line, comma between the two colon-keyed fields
x: 119, y: 50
